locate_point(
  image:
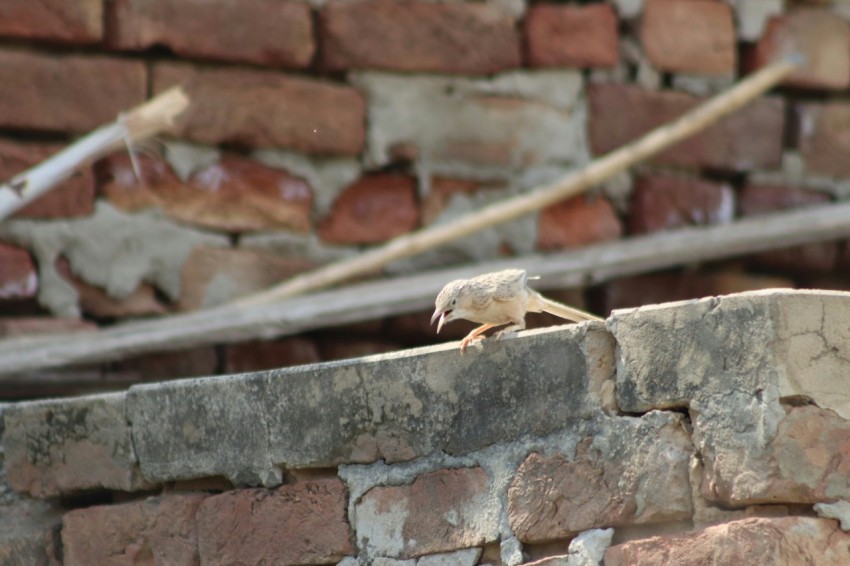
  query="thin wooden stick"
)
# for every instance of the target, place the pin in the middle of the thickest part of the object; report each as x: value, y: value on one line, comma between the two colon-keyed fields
x: 596, y: 172
x: 386, y: 297
x: 142, y: 122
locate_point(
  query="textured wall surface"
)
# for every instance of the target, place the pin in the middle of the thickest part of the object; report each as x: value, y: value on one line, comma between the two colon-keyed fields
x: 712, y: 429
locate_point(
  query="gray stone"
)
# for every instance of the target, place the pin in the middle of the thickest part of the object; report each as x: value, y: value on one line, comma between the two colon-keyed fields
x: 64, y: 446
x: 465, y: 557
x: 793, y: 340
x: 765, y: 378
x: 394, y: 407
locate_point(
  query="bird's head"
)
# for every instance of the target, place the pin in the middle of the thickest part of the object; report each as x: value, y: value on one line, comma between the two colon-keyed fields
x: 450, y: 304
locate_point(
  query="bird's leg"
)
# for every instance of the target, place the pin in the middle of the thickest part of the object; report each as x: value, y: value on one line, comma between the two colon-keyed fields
x: 515, y: 327
x: 473, y: 335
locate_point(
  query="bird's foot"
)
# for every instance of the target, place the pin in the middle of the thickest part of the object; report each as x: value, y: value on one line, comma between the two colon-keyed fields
x: 470, y: 341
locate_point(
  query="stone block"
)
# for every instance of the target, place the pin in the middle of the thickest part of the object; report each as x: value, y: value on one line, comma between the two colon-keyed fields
x: 394, y: 407
x: 65, y: 446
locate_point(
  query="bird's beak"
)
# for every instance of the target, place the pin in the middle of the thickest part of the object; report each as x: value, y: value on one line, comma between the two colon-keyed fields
x: 442, y: 317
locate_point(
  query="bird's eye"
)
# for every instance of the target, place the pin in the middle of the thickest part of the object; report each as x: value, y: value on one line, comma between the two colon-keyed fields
x: 454, y: 302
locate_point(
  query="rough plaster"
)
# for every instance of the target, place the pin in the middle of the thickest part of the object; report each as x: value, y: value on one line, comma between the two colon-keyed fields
x: 111, y: 249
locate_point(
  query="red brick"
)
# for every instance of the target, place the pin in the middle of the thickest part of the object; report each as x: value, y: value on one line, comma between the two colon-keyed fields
x: 262, y: 108
x: 18, y: 276
x: 69, y: 93
x: 821, y: 37
x: 374, y: 209
x: 303, y: 523
x: 697, y: 36
x: 53, y: 20
x: 266, y: 32
x: 235, y: 194
x: 577, y: 222
x: 824, y: 137
x: 74, y: 197
x: 554, y: 497
x: 438, y: 512
x: 36, y: 326
x: 757, y: 199
x: 211, y: 276
x: 661, y: 202
x: 572, y: 36
x: 784, y: 540
x: 259, y: 356
x: 747, y: 139
x: 158, y: 530
x: 470, y: 38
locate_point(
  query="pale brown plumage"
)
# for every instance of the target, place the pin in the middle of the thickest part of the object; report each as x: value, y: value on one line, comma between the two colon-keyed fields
x: 493, y: 299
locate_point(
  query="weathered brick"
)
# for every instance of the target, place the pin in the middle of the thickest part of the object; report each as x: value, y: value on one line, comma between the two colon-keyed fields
x: 157, y: 530
x: 439, y: 511
x: 65, y: 446
x: 572, y: 36
x: 262, y: 108
x: 469, y: 38
x: 303, y: 523
x: 234, y: 194
x: 629, y: 471
x: 258, y: 356
x: 212, y: 276
x: 53, y: 20
x: 266, y: 32
x: 661, y: 202
x: 576, y: 222
x: 817, y: 257
x: 822, y: 38
x: 441, y: 191
x: 73, y: 93
x: 824, y: 137
x: 697, y: 36
x: 374, y: 209
x: 747, y: 139
x: 74, y: 197
x: 783, y: 540
x: 18, y: 275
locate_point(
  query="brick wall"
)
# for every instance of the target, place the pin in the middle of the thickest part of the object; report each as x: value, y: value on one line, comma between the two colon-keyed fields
x: 711, y: 431
x: 318, y: 129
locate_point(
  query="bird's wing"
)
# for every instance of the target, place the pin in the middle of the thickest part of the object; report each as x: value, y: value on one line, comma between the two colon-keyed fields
x: 508, y: 284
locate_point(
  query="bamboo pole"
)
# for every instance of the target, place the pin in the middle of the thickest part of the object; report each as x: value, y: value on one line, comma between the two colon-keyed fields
x: 598, y: 171
x: 140, y: 123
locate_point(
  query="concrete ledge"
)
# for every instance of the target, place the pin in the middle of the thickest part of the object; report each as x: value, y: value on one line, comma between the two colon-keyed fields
x: 393, y: 407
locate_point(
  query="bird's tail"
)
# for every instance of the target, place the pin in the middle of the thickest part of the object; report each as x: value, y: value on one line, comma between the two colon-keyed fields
x: 541, y: 303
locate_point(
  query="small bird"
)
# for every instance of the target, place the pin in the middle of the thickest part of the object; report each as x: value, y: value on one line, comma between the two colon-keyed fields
x: 497, y: 298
